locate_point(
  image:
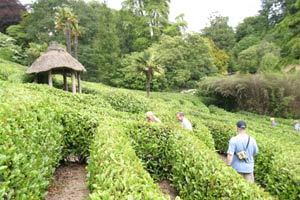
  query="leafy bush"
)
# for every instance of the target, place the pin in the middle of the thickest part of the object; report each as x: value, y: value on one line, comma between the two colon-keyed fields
x: 150, y: 142
x: 198, y: 173
x: 221, y: 133
x: 9, y: 50
x: 193, y: 168
x: 114, y: 169
x: 203, y: 133
x: 272, y: 94
x: 11, y: 72
x: 78, y: 133
x: 30, y: 143
x: 126, y: 103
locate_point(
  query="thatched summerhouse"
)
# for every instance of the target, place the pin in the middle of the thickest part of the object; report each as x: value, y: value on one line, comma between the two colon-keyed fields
x: 56, y: 60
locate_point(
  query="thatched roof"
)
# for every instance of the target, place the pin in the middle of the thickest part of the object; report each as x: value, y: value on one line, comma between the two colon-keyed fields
x: 55, y: 57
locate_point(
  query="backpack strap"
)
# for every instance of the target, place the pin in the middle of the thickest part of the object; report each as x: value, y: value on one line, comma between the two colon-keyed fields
x: 248, y: 142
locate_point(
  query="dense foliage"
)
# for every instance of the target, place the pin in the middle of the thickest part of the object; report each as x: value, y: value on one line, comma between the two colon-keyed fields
x: 106, y: 41
x: 268, y: 94
x: 102, y: 37
x: 41, y: 126
x: 276, y: 146
x: 126, y: 155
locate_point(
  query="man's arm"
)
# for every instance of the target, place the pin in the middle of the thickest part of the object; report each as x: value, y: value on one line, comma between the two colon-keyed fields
x: 229, y: 159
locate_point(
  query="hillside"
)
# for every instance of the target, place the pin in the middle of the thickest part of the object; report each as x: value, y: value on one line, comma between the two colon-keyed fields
x: 40, y: 126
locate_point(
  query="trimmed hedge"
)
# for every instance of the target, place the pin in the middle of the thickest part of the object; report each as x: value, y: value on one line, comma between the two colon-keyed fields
x: 78, y: 133
x: 203, y: 133
x: 39, y: 126
x: 199, y: 173
x: 115, y: 172
x: 221, y: 133
x: 10, y: 71
x: 273, y: 159
x: 30, y: 143
x: 195, y: 171
x: 151, y: 143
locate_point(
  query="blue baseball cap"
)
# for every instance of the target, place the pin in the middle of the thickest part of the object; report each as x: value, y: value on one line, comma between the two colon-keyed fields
x: 241, y: 124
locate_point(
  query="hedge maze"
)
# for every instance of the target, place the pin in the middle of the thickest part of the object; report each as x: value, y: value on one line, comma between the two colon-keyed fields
x: 126, y: 156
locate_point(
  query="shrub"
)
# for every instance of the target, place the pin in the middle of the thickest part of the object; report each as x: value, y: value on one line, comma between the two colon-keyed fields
x: 30, y: 143
x: 199, y: 174
x: 114, y: 169
x: 126, y: 102
x: 272, y: 94
x: 193, y: 168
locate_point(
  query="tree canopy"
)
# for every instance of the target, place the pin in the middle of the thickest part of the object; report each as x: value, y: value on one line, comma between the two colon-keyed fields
x: 105, y: 39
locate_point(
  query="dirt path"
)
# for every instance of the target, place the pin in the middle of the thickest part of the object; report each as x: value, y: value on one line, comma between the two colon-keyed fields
x: 166, y: 188
x: 223, y: 157
x: 70, y: 183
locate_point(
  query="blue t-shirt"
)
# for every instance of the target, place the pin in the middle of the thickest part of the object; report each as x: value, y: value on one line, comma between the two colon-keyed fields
x: 237, y: 144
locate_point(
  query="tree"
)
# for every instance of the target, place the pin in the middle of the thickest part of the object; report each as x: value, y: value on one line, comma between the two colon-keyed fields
x: 261, y: 57
x: 277, y: 10
x: 76, y: 32
x: 220, y: 57
x: 185, y: 59
x: 220, y: 32
x: 9, y: 50
x: 41, y: 25
x: 257, y: 26
x: 154, y: 12
x: 64, y: 19
x: 34, y: 51
x: 147, y: 63
x: 105, y: 46
x: 177, y: 28
x: 10, y: 13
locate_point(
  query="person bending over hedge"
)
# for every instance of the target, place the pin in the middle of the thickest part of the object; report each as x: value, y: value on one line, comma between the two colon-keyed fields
x: 151, y: 117
x: 241, y: 151
x: 184, y: 121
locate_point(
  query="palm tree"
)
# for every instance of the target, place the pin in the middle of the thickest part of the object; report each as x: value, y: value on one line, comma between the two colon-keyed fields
x: 75, y: 33
x: 147, y: 63
x: 66, y: 21
x: 63, y: 20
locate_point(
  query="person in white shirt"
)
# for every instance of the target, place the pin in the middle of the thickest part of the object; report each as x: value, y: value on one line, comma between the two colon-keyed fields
x: 296, y: 125
x: 184, y: 121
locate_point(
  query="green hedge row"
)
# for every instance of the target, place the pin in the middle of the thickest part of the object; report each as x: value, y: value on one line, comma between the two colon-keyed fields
x: 221, y: 133
x: 80, y: 118
x: 10, y: 71
x: 30, y: 143
x: 115, y: 172
x: 278, y: 167
x: 275, y: 168
x: 195, y: 170
x: 39, y: 126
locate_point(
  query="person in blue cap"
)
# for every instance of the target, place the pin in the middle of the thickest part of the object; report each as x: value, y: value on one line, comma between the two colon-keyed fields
x: 241, y: 151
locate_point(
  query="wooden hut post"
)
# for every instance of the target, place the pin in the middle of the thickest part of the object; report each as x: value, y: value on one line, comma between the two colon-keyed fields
x: 65, y: 80
x: 50, y: 78
x: 79, y: 83
x: 73, y: 81
x: 35, y: 80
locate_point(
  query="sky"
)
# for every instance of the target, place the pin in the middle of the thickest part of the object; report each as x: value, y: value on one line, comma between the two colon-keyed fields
x: 197, y: 12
